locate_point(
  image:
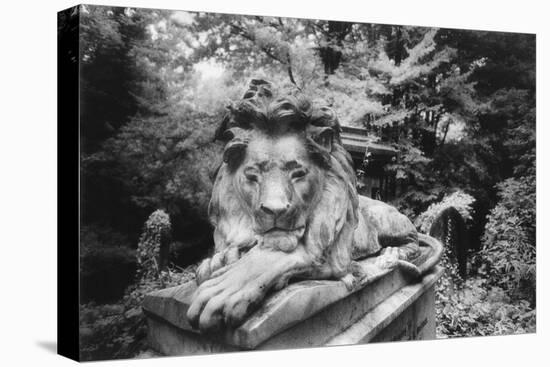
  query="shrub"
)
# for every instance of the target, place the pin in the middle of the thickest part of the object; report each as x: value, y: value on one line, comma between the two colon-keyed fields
x: 448, y: 221
x: 499, y: 298
x: 152, y: 248
x: 509, y: 249
x: 119, y: 330
x: 459, y: 200
x: 480, y: 309
x: 107, y: 264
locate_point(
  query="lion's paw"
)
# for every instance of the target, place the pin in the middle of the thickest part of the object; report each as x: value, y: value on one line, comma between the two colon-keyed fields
x: 228, y: 297
x: 389, y: 258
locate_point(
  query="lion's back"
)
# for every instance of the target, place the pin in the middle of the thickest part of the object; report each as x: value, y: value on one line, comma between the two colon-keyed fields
x: 380, y: 225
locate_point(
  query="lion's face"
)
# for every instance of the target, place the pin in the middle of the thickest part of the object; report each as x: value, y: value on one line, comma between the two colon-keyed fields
x: 278, y: 184
x: 285, y: 181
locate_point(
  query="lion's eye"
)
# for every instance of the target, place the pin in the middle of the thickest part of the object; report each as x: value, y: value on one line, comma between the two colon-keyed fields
x: 251, y: 174
x: 299, y: 173
x: 251, y: 177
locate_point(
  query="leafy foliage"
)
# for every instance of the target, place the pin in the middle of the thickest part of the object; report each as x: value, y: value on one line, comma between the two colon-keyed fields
x: 118, y: 330
x: 451, y: 283
x: 152, y: 244
x: 107, y: 264
x: 498, y: 297
x: 479, y: 309
x: 458, y: 200
x: 509, y: 252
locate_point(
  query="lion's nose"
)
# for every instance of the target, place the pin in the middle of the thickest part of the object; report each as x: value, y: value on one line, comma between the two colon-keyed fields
x: 274, y: 209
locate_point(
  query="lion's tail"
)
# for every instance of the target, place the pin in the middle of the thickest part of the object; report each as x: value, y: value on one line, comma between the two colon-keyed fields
x: 434, y: 251
x: 431, y: 251
x: 448, y: 233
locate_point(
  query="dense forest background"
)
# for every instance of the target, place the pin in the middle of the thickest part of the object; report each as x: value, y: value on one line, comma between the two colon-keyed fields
x: 458, y: 105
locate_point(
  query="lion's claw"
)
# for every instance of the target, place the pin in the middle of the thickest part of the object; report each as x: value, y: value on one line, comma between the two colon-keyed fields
x: 226, y: 298
x: 203, y: 271
x: 228, y: 306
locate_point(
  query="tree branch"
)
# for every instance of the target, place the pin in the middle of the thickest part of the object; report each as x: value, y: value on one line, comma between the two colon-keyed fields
x: 243, y: 33
x: 290, y: 74
x: 288, y: 61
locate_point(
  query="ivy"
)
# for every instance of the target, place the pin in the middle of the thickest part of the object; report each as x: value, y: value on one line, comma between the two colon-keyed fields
x: 154, y: 237
x: 119, y: 330
x: 459, y: 200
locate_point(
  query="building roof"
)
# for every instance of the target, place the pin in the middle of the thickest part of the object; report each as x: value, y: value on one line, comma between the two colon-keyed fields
x: 357, y: 142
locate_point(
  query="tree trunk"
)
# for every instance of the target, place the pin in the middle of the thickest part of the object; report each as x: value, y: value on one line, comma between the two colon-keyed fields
x: 331, y: 55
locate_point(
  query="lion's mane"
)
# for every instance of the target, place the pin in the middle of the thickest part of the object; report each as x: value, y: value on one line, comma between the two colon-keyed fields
x: 332, y: 222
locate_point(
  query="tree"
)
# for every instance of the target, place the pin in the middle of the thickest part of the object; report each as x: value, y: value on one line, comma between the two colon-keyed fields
x: 444, y: 98
x: 108, y: 73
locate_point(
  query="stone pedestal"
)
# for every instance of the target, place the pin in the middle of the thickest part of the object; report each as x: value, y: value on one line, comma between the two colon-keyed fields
x: 386, y: 306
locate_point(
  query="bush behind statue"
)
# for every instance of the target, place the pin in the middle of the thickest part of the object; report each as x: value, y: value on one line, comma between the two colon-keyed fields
x: 509, y: 252
x: 119, y: 330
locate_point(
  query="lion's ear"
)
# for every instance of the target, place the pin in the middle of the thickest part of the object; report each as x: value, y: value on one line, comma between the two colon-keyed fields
x: 234, y: 152
x: 322, y: 136
x: 318, y: 153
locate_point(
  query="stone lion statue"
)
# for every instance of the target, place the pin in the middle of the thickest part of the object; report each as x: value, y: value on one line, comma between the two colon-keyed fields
x: 284, y: 206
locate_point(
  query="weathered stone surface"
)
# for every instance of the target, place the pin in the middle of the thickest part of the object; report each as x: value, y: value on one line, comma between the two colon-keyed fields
x: 291, y: 305
x: 171, y: 304
x: 406, y: 314
x: 280, y: 311
x: 416, y: 322
x: 307, y: 313
x: 172, y: 341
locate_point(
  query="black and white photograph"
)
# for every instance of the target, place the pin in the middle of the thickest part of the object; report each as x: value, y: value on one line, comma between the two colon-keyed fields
x: 278, y: 183
x: 259, y: 182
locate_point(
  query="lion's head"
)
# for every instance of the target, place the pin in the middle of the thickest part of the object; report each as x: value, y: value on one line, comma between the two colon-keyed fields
x: 285, y: 179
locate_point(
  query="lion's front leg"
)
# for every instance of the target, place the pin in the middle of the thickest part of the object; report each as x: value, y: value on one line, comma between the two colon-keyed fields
x: 235, y: 290
x: 227, y: 256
